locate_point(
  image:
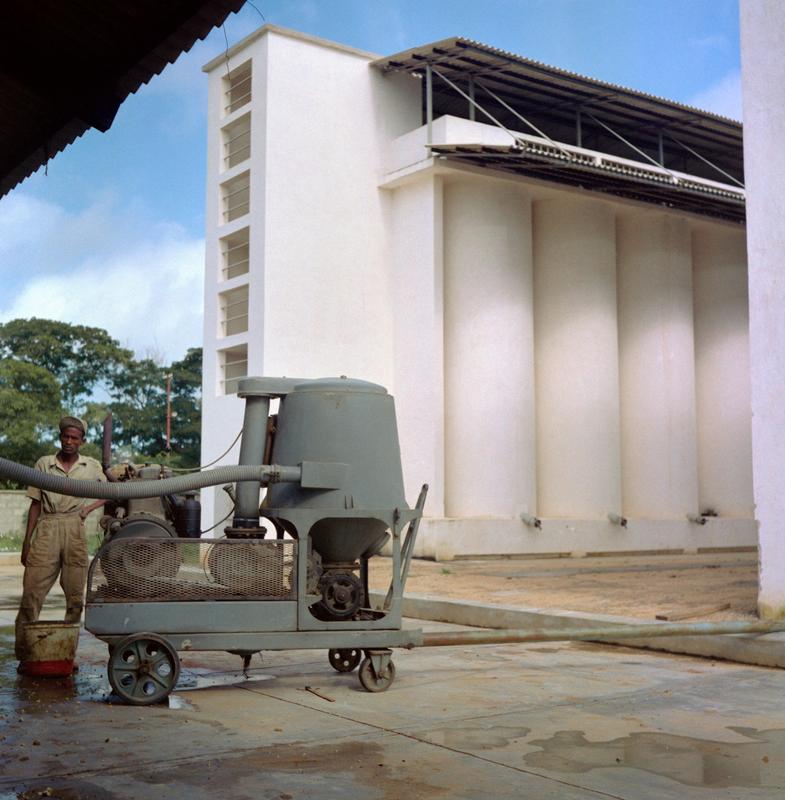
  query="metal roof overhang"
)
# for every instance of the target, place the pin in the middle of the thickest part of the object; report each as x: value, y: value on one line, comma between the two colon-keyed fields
x: 607, y: 175
x: 697, y: 143
x: 66, y: 67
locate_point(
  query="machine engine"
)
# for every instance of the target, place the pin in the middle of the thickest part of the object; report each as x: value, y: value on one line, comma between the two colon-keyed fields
x: 151, y: 519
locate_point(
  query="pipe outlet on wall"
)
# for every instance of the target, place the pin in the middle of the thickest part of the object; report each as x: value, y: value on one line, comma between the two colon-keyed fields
x: 531, y: 520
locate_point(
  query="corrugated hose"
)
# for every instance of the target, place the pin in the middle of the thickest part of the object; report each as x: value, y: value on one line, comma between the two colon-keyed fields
x: 131, y: 490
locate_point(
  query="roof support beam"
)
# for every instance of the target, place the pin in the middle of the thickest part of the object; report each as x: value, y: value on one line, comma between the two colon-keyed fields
x: 429, y: 102
x: 705, y: 160
x: 630, y: 145
x: 524, y: 120
x: 475, y: 104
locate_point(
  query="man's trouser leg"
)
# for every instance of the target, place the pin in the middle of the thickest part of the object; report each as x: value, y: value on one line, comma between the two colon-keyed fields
x: 43, y: 564
x: 73, y: 575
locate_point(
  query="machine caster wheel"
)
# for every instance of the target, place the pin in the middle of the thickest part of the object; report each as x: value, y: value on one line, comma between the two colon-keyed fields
x: 143, y: 669
x: 344, y: 659
x: 374, y: 680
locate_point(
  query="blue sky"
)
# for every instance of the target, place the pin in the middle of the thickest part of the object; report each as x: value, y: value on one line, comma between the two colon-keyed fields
x: 113, y: 235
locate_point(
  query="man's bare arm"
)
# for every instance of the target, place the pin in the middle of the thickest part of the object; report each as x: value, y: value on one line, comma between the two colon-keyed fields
x: 85, y: 510
x: 32, y: 518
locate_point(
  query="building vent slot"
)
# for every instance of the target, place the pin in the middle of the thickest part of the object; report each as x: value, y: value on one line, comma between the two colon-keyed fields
x: 234, y: 366
x: 235, y: 255
x: 237, y: 142
x: 234, y: 311
x: 236, y: 197
x: 237, y: 88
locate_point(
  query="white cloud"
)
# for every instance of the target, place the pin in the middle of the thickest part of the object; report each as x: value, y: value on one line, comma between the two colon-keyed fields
x: 107, y: 267
x: 723, y: 97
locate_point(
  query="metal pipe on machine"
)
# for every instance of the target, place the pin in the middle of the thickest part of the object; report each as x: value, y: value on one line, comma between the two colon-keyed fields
x: 600, y: 634
x: 257, y: 409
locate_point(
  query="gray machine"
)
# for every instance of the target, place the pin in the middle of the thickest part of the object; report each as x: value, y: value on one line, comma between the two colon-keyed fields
x: 292, y: 573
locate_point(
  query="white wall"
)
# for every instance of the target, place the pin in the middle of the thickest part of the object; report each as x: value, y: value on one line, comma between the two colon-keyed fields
x: 723, y: 372
x: 657, y: 368
x: 763, y: 75
x: 417, y: 295
x: 576, y: 359
x: 488, y: 350
x: 326, y: 305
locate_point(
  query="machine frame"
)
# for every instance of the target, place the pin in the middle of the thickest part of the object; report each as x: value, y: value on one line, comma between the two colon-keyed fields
x: 151, y: 632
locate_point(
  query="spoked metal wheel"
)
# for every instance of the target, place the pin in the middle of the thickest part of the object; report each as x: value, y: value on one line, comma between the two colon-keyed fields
x: 344, y: 659
x: 342, y: 594
x: 143, y: 669
x: 377, y: 672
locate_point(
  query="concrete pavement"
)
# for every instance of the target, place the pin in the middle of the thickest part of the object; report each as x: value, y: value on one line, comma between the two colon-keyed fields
x: 562, y: 721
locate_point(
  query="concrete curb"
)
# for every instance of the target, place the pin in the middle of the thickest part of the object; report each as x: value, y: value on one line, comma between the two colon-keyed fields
x: 761, y: 650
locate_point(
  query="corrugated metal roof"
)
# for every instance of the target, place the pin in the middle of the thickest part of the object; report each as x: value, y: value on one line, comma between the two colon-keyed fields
x: 457, y: 52
x: 66, y: 67
x: 555, y: 100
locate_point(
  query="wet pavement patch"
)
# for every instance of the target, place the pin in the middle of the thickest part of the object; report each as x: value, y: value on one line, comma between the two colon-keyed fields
x: 72, y: 789
x: 458, y: 737
x: 330, y: 771
x: 33, y: 695
x: 38, y: 695
x: 199, y: 678
x: 759, y: 762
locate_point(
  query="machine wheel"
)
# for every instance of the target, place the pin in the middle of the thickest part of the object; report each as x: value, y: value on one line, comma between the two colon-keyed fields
x: 372, y: 682
x: 342, y: 594
x: 344, y: 659
x: 143, y: 669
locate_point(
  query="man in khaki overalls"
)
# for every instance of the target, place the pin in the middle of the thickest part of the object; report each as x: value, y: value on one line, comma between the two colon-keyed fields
x: 55, y: 538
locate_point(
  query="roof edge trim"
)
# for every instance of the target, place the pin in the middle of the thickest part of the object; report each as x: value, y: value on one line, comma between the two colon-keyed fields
x: 269, y: 27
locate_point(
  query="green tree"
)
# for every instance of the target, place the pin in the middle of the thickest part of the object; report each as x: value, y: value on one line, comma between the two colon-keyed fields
x: 81, y: 358
x: 187, y: 408
x: 29, y: 410
x: 49, y: 367
x: 138, y: 409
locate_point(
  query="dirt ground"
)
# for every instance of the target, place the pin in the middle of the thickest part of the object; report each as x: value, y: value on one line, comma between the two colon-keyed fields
x: 687, y: 586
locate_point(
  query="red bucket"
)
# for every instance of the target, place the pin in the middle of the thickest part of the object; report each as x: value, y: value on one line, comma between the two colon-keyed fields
x: 50, y: 648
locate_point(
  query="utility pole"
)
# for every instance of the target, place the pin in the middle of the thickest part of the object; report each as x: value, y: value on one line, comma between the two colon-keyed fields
x: 168, y: 377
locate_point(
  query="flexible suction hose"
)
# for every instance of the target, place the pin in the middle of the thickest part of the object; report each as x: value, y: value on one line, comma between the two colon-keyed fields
x: 131, y: 490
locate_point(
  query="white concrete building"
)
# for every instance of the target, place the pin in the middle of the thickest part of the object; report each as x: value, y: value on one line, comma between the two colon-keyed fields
x: 763, y: 72
x: 548, y: 272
